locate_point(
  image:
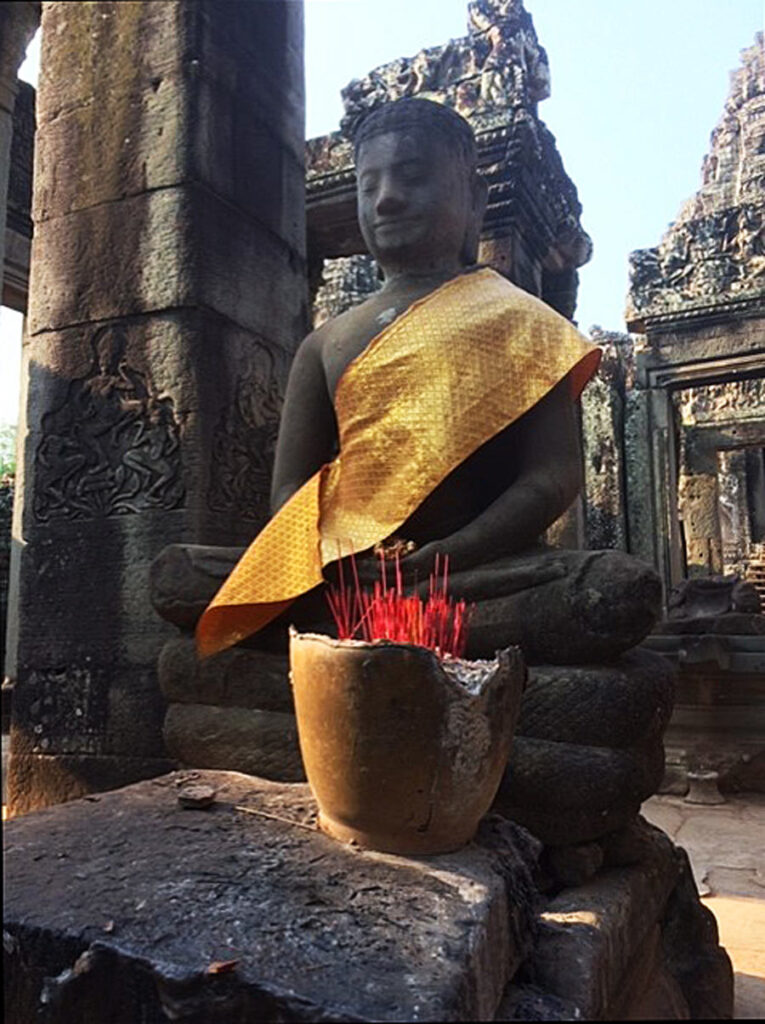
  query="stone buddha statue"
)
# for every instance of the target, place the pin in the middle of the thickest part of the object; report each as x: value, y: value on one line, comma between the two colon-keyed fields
x: 511, y: 371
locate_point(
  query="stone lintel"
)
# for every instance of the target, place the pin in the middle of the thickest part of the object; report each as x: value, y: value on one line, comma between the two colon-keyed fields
x: 124, y: 905
x: 695, y: 317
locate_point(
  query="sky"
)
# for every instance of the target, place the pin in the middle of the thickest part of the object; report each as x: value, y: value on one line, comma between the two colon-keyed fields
x: 637, y: 87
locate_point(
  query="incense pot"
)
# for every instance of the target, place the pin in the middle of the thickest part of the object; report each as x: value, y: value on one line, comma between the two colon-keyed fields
x: 403, y: 750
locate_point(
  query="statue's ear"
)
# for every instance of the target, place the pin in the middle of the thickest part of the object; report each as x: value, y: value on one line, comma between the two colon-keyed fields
x: 479, y: 195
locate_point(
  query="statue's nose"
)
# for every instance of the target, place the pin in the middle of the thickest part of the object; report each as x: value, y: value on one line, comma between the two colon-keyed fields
x: 390, y: 198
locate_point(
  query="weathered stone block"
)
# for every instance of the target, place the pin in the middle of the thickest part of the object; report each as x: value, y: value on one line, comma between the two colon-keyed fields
x: 599, y: 927
x: 691, y: 947
x: 150, y: 141
x: 271, y: 274
x: 145, y: 896
x: 121, y: 259
x: 246, y: 740
x: 641, y: 516
x: 142, y: 40
x: 254, y: 51
x: 122, y: 143
x: 573, y: 864
x: 88, y: 708
x: 235, y: 678
x: 234, y: 145
x: 163, y: 250
x: 37, y: 780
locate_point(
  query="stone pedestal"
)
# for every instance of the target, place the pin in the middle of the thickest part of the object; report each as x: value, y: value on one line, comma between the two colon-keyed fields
x: 125, y: 906
x: 245, y: 911
x: 167, y: 298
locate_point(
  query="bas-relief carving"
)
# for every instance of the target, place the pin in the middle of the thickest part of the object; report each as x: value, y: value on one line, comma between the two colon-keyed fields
x: 720, y: 403
x: 244, y: 442
x: 112, y: 447
x: 345, y: 281
x: 721, y: 255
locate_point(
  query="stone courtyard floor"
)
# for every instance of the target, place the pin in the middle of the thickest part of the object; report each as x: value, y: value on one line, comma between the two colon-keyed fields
x: 726, y: 846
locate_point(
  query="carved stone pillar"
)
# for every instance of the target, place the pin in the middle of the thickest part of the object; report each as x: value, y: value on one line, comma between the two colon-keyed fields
x: 167, y: 297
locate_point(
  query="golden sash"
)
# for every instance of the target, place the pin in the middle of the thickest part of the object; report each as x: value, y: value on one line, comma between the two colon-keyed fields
x: 455, y: 369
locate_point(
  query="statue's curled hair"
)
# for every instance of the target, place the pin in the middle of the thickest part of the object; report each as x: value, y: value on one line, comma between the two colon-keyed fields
x: 419, y: 115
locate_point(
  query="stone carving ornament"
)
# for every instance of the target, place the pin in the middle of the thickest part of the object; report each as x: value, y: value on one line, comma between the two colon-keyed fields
x: 112, y: 447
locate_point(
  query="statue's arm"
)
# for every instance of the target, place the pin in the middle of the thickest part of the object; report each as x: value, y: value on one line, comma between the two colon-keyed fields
x: 307, y: 429
x: 549, y: 479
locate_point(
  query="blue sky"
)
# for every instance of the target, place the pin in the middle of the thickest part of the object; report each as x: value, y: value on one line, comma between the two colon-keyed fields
x: 637, y: 87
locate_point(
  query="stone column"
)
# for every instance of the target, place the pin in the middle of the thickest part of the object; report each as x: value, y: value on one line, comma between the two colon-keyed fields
x: 167, y: 297
x: 18, y: 24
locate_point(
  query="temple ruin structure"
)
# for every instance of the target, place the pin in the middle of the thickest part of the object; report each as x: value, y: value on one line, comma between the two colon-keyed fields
x: 672, y: 426
x: 695, y: 433
x: 171, y: 255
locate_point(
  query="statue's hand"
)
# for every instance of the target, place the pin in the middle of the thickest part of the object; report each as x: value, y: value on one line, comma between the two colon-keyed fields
x: 415, y: 568
x: 418, y: 567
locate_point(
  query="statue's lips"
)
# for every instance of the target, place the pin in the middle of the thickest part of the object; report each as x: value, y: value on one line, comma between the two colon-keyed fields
x: 395, y: 222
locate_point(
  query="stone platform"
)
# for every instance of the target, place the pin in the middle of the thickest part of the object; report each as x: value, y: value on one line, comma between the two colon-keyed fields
x: 121, y: 905
x: 125, y: 907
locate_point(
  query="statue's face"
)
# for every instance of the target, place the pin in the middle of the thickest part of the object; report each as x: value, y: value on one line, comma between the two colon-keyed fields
x: 415, y: 201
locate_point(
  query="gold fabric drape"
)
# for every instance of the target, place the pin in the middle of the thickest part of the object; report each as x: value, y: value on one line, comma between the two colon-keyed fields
x: 454, y: 370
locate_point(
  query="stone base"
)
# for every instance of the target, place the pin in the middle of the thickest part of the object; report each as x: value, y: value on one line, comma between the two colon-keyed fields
x: 128, y: 908
x: 588, y: 747
x: 125, y: 907
x: 634, y: 943
x: 249, y: 740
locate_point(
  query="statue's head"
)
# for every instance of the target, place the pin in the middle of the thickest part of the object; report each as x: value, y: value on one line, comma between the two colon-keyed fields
x: 420, y: 197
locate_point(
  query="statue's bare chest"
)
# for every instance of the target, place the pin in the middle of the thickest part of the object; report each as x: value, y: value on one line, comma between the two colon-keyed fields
x: 349, y: 335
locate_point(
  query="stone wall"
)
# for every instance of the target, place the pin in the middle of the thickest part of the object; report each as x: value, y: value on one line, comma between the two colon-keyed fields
x: 18, y: 23
x: 18, y: 224
x: 603, y: 416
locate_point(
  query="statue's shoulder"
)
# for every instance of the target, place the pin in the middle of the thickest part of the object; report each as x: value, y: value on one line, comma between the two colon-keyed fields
x: 349, y: 323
